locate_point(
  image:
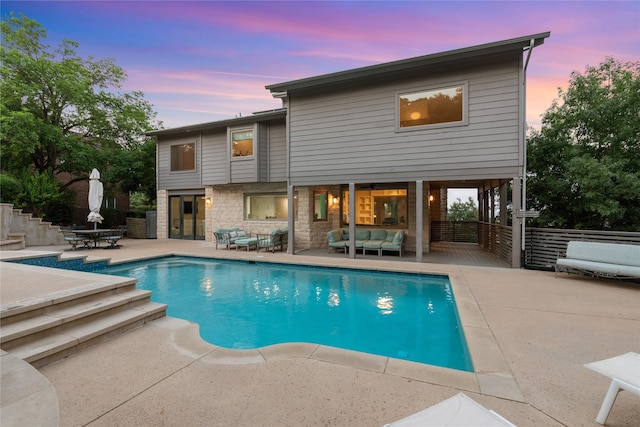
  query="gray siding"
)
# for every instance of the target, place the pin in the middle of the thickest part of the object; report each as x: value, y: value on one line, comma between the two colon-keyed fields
x: 215, y: 154
x: 351, y: 136
x: 168, y: 180
x: 244, y: 170
x: 263, y: 152
x: 277, y: 152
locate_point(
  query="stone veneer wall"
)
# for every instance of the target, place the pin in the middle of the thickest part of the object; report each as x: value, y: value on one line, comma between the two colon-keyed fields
x: 227, y: 210
x: 162, y: 205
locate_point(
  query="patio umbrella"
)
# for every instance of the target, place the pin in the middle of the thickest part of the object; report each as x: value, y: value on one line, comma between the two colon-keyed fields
x: 95, y: 198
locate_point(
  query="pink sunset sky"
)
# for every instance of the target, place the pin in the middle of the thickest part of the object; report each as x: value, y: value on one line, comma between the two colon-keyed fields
x: 202, y: 61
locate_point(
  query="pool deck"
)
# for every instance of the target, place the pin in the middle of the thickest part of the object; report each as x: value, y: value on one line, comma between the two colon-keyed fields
x: 529, y: 335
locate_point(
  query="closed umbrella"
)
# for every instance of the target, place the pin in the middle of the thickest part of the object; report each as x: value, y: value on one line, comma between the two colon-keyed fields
x: 95, y: 198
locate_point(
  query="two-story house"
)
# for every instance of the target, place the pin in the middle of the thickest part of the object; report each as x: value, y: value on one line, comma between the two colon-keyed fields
x: 372, y: 147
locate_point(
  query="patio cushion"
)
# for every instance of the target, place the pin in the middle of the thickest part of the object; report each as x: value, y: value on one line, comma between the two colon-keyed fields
x: 390, y: 235
x: 373, y: 244
x: 333, y: 236
x: 398, y: 238
x: 247, y: 241
x: 378, y: 235
x: 362, y: 234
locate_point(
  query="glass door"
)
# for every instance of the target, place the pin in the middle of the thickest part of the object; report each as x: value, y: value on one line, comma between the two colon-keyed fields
x: 186, y: 217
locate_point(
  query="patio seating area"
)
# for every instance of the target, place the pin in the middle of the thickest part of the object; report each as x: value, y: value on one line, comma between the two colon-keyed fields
x: 529, y: 335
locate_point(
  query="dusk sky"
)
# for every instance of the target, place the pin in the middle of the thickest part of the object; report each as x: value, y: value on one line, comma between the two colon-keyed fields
x: 201, y: 61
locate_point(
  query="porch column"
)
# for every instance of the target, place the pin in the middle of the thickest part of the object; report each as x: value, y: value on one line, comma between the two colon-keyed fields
x: 419, y: 219
x: 516, y: 226
x: 503, y: 203
x: 352, y: 220
x: 492, y: 205
x: 291, y: 221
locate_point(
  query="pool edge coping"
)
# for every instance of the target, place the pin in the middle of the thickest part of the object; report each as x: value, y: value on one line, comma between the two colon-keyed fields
x: 492, y: 375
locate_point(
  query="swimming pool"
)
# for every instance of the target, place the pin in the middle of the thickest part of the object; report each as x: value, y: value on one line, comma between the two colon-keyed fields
x: 245, y: 305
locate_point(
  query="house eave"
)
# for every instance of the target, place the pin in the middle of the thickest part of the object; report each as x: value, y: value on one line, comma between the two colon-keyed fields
x: 261, y: 116
x: 371, y: 73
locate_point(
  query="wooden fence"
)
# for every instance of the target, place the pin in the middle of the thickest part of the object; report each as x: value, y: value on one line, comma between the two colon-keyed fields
x: 496, y: 239
x: 544, y: 245
x: 454, y: 231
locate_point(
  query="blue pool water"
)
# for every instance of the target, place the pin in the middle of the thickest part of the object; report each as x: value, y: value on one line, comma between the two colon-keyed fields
x: 243, y: 305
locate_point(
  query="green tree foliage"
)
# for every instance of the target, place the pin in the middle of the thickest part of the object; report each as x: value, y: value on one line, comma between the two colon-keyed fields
x: 584, y: 162
x: 463, y: 211
x: 61, y: 113
x: 10, y: 188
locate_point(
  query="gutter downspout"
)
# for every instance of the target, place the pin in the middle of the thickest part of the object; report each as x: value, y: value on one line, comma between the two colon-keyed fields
x: 524, y: 142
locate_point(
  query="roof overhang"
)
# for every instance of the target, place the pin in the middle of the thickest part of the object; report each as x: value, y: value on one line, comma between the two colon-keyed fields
x: 412, y: 66
x: 264, y: 116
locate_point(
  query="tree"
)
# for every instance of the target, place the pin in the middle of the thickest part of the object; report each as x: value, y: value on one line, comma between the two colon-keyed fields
x: 584, y: 162
x: 463, y: 211
x: 60, y: 112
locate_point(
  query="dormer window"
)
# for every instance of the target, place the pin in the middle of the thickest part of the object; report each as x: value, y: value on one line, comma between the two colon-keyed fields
x: 242, y: 143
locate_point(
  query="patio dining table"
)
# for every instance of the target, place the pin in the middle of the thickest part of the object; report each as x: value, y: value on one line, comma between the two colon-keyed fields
x: 111, y: 235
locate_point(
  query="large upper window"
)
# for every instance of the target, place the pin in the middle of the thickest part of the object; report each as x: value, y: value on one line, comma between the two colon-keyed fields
x: 183, y: 157
x: 383, y: 207
x: 431, y: 107
x: 242, y: 143
x: 267, y: 206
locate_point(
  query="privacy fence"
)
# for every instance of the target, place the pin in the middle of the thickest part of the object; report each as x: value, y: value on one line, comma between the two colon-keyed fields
x: 542, y: 245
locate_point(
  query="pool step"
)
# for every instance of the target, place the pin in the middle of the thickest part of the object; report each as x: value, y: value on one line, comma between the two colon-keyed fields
x: 43, y: 330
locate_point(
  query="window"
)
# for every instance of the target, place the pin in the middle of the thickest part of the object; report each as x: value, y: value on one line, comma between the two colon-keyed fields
x: 242, y: 143
x: 267, y: 206
x: 432, y: 107
x: 320, y: 206
x: 183, y: 157
x: 384, y: 207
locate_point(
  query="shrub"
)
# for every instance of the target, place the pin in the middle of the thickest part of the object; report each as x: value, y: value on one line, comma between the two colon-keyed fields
x: 10, y: 188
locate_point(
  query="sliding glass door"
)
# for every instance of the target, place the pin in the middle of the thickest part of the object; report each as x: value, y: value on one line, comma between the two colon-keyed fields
x: 186, y: 217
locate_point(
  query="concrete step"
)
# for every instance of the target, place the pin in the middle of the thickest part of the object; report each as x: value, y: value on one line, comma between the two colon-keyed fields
x: 47, y: 346
x: 44, y: 329
x: 65, y: 313
x: 12, y: 245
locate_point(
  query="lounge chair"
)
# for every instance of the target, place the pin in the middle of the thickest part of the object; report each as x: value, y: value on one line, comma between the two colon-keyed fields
x: 272, y: 241
x: 222, y: 239
x: 624, y: 371
x: 459, y: 410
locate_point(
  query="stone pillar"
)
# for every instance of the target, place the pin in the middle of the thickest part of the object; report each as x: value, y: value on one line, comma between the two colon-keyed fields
x: 162, y: 203
x: 291, y: 245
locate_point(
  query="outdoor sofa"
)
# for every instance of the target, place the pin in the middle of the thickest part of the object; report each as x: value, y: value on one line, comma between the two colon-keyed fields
x: 610, y: 260
x: 378, y: 240
x: 228, y: 236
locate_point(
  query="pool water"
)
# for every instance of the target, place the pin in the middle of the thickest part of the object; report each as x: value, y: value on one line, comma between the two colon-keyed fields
x: 244, y: 305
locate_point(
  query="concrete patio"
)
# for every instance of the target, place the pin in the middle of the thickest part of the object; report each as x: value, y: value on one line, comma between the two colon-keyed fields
x: 529, y: 335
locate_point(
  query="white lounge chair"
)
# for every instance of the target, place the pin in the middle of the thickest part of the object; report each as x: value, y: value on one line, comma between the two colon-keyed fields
x: 459, y: 410
x: 624, y: 371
